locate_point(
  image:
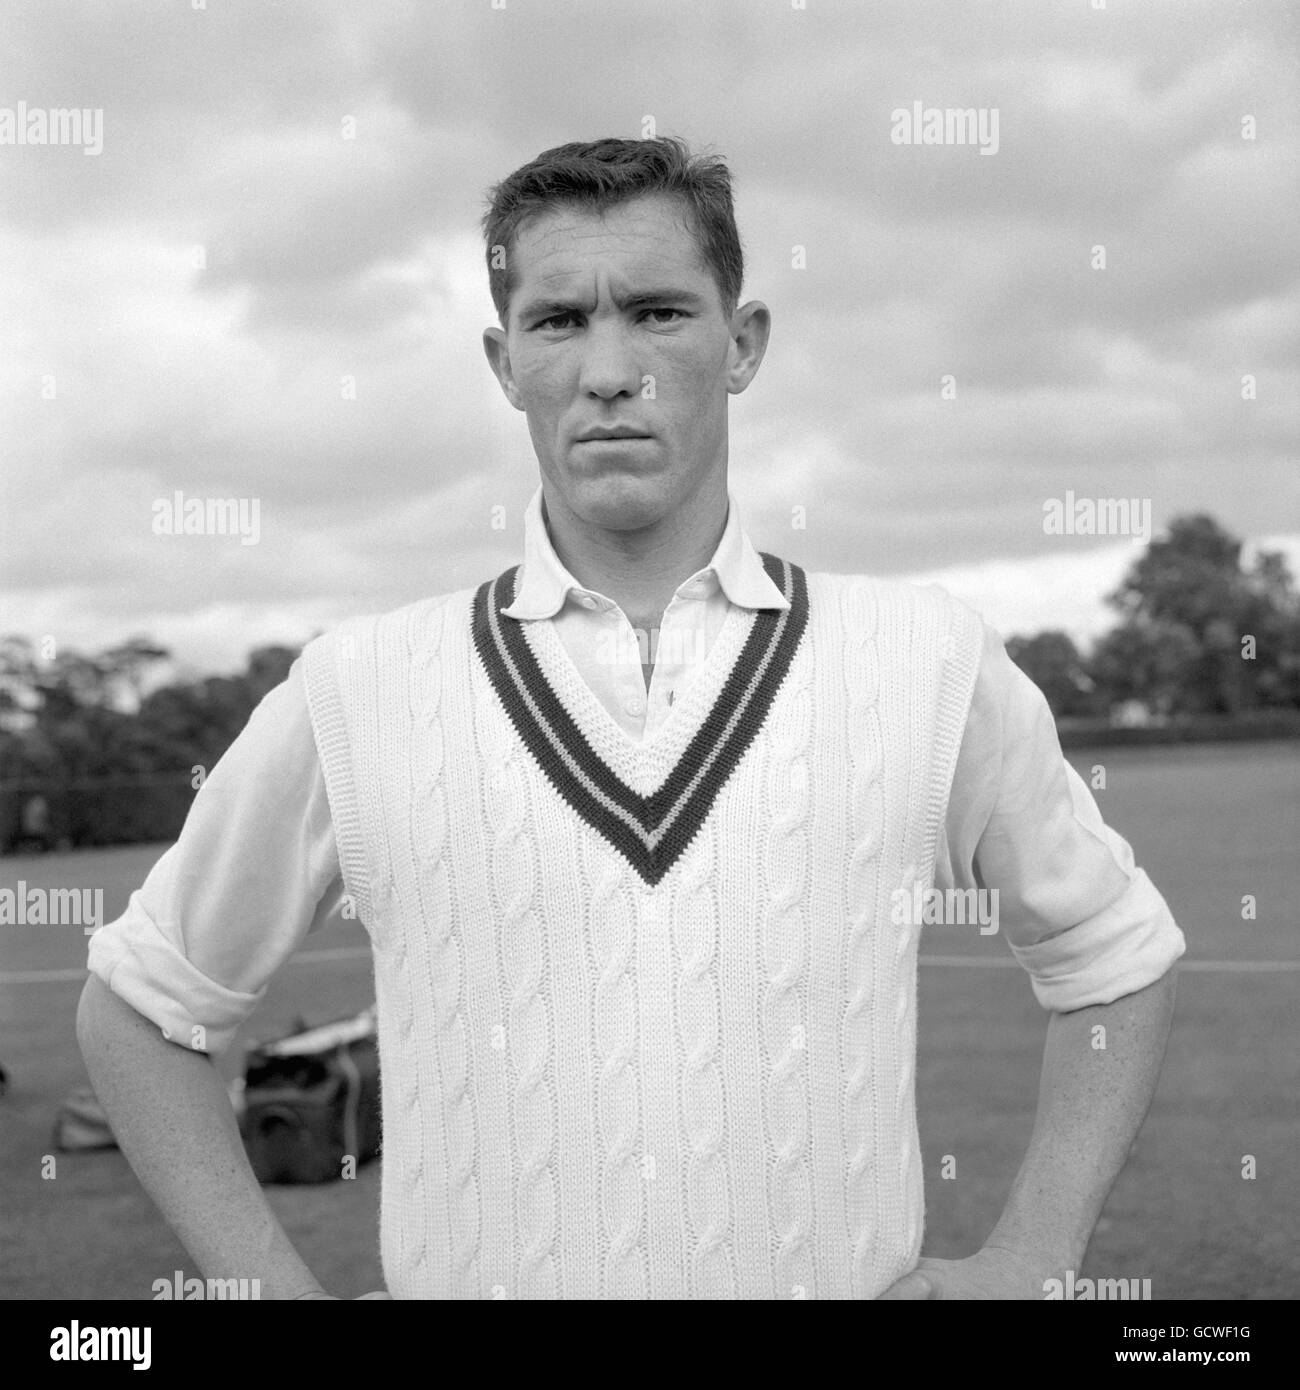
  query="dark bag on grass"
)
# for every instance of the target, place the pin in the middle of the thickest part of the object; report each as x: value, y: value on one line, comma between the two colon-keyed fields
x: 311, y: 1100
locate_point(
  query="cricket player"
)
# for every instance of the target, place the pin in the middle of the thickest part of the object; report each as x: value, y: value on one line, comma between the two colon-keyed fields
x: 644, y: 832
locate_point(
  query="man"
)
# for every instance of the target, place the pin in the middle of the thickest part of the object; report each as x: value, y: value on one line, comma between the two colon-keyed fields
x: 628, y: 827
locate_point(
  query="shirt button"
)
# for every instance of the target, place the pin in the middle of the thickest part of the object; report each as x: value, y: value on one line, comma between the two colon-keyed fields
x: 634, y: 706
x: 587, y: 601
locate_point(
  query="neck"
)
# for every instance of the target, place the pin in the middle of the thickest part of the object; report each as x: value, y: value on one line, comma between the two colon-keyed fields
x: 641, y: 569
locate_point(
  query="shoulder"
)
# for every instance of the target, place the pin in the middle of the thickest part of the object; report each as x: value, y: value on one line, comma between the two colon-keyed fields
x: 893, y: 600
x: 370, y: 636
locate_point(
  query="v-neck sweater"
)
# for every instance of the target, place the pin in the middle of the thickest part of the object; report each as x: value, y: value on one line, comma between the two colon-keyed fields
x: 647, y: 1028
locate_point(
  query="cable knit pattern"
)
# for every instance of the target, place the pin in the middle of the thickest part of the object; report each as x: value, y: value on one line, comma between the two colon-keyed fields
x: 860, y: 673
x: 610, y: 933
x: 610, y: 1075
x: 427, y: 844
x: 514, y: 871
x: 783, y: 862
x: 708, y: 1182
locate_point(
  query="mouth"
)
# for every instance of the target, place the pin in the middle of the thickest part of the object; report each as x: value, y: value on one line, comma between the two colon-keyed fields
x: 607, y: 436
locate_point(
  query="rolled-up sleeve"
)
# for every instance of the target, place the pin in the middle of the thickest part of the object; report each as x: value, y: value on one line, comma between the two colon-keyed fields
x: 254, y: 871
x: 1078, y: 913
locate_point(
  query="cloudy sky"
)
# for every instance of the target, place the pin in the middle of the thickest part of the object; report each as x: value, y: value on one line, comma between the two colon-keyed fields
x: 287, y: 198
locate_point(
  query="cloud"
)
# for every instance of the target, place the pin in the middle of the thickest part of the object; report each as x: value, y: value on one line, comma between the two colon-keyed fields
x: 269, y: 285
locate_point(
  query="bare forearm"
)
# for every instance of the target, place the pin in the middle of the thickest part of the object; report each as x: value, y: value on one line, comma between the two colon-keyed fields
x: 173, y: 1120
x: 1094, y: 1094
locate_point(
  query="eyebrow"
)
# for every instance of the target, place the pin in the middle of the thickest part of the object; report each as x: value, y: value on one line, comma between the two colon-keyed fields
x: 664, y: 296
x: 544, y: 308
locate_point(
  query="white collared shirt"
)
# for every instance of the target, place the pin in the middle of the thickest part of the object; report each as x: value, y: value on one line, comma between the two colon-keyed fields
x: 600, y: 639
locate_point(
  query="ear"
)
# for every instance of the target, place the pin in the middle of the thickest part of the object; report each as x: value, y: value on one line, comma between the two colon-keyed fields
x: 750, y: 327
x: 498, y: 356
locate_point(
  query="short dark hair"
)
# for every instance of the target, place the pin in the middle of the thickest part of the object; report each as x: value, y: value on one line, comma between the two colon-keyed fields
x: 597, y: 174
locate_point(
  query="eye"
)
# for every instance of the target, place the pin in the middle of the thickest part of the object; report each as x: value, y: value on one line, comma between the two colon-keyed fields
x: 556, y: 321
x: 664, y: 309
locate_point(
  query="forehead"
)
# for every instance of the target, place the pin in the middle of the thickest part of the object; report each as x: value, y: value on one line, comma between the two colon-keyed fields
x: 631, y: 241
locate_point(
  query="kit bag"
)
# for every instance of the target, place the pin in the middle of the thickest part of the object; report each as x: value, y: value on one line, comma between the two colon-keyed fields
x: 311, y: 1101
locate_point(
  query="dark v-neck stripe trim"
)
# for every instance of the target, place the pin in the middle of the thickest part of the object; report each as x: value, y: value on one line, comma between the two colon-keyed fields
x: 650, y: 832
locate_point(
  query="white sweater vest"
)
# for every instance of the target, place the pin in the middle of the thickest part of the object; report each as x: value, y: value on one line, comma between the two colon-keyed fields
x: 646, y: 1027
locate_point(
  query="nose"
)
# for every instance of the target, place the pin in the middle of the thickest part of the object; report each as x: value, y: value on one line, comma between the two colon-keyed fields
x: 609, y: 366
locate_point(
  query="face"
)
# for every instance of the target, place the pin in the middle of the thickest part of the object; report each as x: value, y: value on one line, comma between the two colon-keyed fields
x: 618, y: 352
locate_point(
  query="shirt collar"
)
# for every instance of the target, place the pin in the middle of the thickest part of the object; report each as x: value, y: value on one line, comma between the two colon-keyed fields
x: 544, y: 585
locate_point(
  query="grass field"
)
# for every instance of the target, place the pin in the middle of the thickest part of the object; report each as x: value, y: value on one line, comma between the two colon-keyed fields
x: 1209, y: 824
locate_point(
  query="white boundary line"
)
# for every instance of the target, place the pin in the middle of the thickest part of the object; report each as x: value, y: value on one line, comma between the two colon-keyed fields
x: 1204, y: 967
x: 42, y: 977
x: 341, y: 953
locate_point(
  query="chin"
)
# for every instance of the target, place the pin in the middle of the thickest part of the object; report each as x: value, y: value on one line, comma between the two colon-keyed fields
x: 621, y: 499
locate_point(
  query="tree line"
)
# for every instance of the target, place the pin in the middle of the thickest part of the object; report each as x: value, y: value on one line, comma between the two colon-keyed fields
x: 92, y: 752
x: 1199, y: 635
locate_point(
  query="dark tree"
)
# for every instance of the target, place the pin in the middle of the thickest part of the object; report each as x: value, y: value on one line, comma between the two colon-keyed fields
x: 1056, y: 667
